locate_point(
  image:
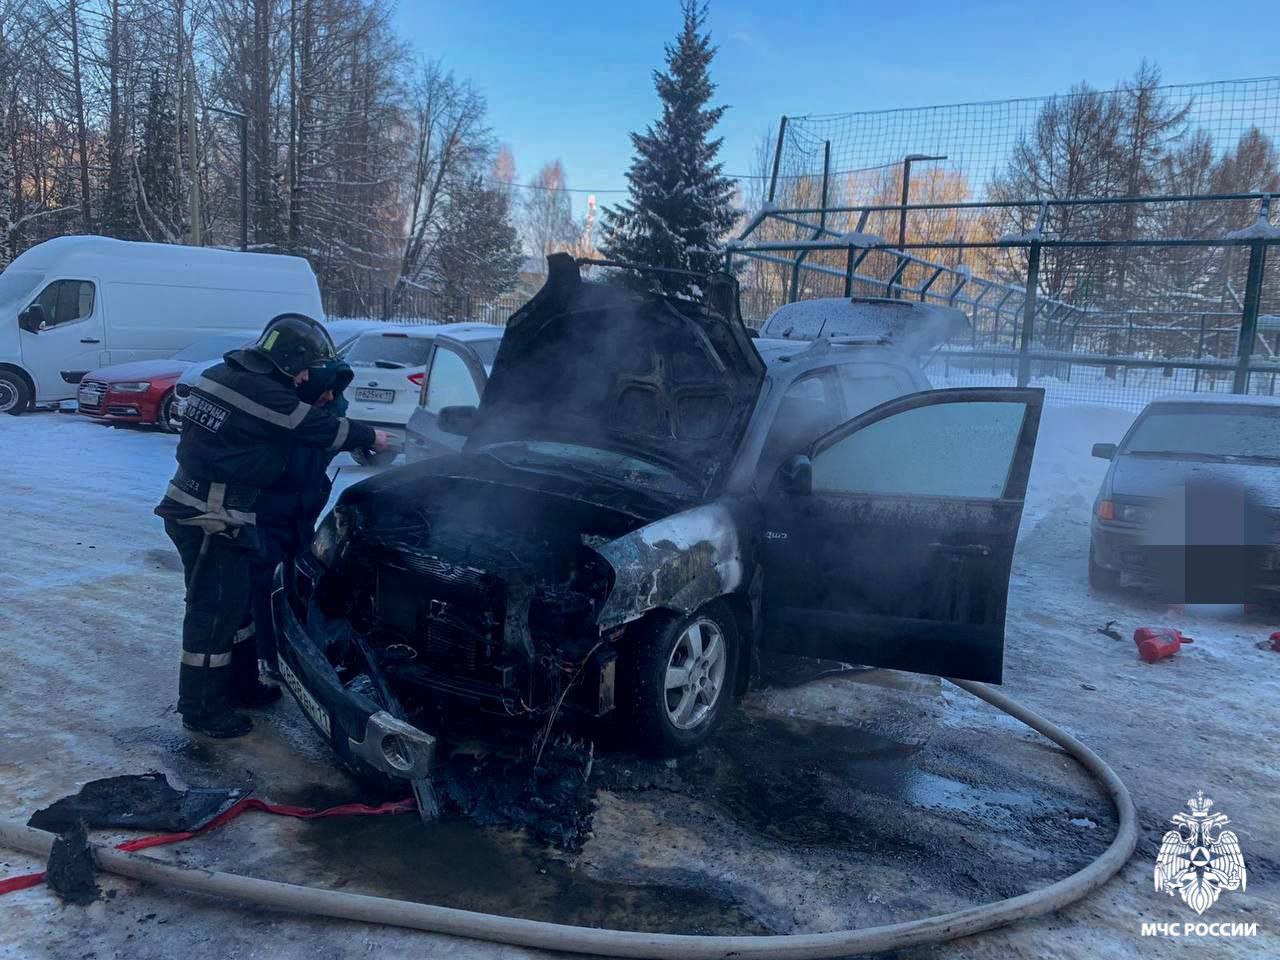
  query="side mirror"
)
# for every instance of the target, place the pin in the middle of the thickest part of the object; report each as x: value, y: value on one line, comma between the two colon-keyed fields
x: 33, y: 319
x: 1104, y: 451
x: 457, y: 420
x: 795, y: 476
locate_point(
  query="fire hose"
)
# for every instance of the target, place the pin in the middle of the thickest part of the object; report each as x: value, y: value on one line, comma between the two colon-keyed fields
x: 627, y: 943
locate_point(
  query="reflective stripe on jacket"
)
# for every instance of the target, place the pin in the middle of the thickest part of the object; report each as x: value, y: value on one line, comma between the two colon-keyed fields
x: 239, y: 422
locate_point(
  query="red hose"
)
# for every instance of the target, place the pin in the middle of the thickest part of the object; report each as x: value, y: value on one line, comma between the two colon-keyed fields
x: 408, y: 805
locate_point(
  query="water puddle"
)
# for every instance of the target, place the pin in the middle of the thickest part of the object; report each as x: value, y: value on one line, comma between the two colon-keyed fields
x: 457, y: 864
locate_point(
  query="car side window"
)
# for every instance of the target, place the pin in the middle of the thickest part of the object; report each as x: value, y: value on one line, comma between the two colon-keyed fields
x: 449, y: 382
x: 868, y: 385
x: 66, y: 301
x: 949, y: 449
x: 811, y: 406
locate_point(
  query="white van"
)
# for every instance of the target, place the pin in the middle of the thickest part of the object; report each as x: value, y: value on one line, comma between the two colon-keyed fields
x: 74, y: 304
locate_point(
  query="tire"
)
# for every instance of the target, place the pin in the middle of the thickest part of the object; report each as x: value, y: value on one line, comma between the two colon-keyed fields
x: 1102, y: 580
x: 662, y: 719
x: 15, y: 395
x: 368, y: 458
x: 164, y: 419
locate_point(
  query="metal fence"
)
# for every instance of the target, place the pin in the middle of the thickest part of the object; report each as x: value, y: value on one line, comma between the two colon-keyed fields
x: 1104, y: 320
x: 413, y: 305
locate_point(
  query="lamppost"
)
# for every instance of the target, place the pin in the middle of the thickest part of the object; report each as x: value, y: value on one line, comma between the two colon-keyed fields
x: 244, y: 172
x: 907, y: 161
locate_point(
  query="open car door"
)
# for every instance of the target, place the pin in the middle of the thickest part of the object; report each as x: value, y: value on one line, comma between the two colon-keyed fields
x: 456, y: 377
x: 890, y: 542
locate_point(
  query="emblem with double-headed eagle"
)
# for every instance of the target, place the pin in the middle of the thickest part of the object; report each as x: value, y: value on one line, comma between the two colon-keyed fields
x: 1200, y: 864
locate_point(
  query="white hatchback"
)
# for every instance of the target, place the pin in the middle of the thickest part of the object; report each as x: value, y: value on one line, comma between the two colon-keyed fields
x: 390, y: 370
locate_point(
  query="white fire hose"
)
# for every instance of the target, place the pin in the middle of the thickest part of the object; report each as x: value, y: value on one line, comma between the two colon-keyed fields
x: 628, y: 943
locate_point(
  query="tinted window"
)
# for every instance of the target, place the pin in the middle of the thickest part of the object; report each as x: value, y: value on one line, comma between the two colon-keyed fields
x: 1225, y: 432
x: 393, y: 348
x: 811, y: 406
x: 449, y: 383
x: 66, y: 301
x: 956, y: 449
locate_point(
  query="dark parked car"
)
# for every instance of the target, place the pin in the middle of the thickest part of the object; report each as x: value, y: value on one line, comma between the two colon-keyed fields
x: 1190, y: 505
x: 641, y: 505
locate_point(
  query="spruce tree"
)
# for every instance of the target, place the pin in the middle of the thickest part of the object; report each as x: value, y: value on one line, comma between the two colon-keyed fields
x: 157, y: 174
x: 478, y: 251
x: 680, y: 204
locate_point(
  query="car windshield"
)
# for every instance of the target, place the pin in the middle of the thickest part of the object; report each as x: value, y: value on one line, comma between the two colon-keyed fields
x: 15, y: 284
x: 1229, y: 433
x: 211, y: 348
x: 392, y: 348
x: 604, y: 465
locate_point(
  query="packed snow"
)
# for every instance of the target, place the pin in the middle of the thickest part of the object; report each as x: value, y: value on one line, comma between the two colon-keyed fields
x: 90, y: 604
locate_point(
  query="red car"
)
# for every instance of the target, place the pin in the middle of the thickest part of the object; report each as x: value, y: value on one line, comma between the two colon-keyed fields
x: 142, y: 391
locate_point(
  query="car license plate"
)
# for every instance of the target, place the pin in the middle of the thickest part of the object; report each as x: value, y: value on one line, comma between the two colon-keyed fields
x: 377, y: 396
x: 304, y: 697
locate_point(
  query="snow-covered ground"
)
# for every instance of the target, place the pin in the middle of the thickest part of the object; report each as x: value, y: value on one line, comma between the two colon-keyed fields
x: 849, y: 801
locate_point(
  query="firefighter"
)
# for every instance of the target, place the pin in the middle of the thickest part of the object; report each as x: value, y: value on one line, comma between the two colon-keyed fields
x: 240, y: 421
x: 287, y: 510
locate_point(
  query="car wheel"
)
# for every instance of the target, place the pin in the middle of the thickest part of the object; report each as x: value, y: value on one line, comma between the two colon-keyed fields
x: 1100, y: 578
x: 15, y: 396
x: 677, y: 681
x: 370, y: 458
x: 166, y: 420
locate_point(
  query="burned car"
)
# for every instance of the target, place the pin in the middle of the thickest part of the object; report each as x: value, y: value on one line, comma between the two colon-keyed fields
x: 643, y: 505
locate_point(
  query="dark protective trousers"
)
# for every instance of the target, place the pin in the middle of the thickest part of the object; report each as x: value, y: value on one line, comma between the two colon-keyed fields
x: 262, y: 570
x: 214, y: 665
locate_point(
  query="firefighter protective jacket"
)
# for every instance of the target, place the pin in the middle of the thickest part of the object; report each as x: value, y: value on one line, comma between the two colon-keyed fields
x: 240, y: 420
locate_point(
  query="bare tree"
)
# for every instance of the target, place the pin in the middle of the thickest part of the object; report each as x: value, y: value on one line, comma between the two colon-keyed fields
x: 548, y: 212
x: 450, y: 138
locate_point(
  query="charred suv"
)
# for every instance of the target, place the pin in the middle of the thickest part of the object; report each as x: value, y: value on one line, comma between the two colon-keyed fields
x: 646, y: 498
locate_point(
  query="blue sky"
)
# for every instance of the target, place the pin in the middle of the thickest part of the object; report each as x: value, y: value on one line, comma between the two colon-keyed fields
x: 571, y: 80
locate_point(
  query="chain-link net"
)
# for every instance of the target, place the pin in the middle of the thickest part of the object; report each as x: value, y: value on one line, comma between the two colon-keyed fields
x: 1106, y: 137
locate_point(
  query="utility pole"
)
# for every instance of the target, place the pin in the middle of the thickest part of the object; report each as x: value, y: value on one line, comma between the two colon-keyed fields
x: 192, y: 146
x: 243, y: 120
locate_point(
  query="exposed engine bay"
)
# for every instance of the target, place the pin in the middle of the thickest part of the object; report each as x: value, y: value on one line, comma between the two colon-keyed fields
x: 471, y: 594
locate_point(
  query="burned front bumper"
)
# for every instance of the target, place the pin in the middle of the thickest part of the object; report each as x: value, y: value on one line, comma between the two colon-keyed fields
x: 365, y: 736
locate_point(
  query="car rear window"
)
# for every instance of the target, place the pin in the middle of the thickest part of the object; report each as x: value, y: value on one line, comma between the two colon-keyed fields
x: 1225, y: 432
x: 393, y: 348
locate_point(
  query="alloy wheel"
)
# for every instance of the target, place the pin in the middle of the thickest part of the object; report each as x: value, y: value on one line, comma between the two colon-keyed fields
x: 695, y: 674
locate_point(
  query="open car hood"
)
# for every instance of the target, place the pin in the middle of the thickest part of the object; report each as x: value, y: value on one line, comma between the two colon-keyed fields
x: 669, y: 381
